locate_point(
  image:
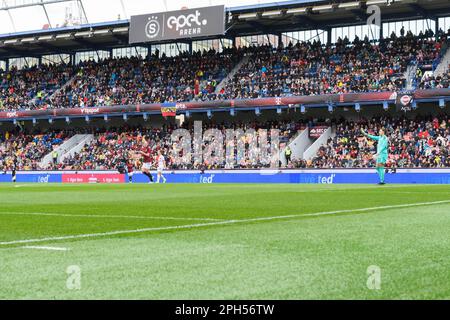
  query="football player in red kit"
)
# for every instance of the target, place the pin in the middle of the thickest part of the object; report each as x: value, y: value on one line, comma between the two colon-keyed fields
x: 130, y: 169
x: 146, y: 153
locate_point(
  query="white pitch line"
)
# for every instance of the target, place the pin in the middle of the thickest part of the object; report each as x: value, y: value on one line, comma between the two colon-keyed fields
x: 105, y: 216
x: 46, y: 248
x: 225, y: 222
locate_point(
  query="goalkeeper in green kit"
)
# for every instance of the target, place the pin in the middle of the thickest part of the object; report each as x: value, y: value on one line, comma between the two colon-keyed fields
x: 382, y: 152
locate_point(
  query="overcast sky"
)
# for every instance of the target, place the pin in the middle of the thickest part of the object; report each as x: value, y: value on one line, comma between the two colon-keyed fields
x: 34, y: 18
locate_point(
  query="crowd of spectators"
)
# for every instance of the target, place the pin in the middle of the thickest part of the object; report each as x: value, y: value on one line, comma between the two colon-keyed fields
x: 423, y: 142
x: 419, y: 143
x: 31, y: 88
x: 25, y: 150
x: 312, y: 68
x: 427, y: 64
x: 435, y: 82
x: 136, y: 81
x: 304, y: 68
x: 114, y: 147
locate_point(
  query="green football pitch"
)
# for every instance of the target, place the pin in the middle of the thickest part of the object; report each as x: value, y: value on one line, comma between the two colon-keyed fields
x: 224, y: 241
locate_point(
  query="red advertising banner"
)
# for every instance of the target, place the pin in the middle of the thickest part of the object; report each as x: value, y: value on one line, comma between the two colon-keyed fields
x: 170, y: 109
x: 431, y: 93
x: 93, y: 178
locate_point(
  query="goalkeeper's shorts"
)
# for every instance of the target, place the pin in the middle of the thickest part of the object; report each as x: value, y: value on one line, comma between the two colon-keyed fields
x: 382, y: 158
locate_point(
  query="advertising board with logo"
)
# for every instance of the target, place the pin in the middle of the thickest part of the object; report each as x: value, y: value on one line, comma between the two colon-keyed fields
x: 319, y: 176
x: 404, y: 101
x: 317, y: 131
x: 93, y: 178
x: 189, y: 23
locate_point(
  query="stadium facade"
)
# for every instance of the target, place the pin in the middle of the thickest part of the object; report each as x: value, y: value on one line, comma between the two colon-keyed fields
x: 277, y: 25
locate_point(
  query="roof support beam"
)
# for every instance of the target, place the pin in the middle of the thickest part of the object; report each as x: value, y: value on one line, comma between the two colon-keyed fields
x: 259, y: 26
x: 305, y: 20
x: 19, y: 53
x: 52, y: 47
x: 360, y: 14
x: 31, y: 4
x: 84, y: 43
x: 123, y: 39
x: 421, y: 11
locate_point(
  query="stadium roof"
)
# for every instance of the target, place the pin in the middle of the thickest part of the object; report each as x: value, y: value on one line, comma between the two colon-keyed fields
x: 84, y: 27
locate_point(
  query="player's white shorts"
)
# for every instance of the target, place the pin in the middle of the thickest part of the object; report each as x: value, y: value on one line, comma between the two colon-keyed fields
x: 146, y: 165
x: 160, y: 169
x: 130, y: 174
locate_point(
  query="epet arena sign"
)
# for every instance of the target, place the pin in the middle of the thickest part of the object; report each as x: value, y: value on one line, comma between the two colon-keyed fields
x: 178, y: 24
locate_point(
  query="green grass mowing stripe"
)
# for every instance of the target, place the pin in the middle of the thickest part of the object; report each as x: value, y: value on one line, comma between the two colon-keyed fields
x: 284, y: 259
x: 52, y: 214
x: 226, y: 222
x: 292, y: 258
x: 192, y: 201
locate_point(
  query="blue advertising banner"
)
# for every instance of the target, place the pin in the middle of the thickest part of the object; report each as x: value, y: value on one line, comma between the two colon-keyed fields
x: 329, y: 176
x: 37, y: 177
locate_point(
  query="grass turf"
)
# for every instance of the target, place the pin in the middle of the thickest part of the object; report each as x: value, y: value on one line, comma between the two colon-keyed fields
x: 305, y: 257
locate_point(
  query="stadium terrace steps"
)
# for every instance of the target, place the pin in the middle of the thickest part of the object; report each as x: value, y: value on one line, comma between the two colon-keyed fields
x: 410, y: 76
x: 80, y: 141
x: 443, y: 65
x: 69, y: 82
x: 312, y: 150
x: 230, y: 75
x: 298, y: 144
x: 68, y: 147
x: 426, y: 75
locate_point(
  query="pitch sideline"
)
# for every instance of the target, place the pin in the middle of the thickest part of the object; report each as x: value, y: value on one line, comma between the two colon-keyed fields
x: 225, y: 222
x: 46, y: 248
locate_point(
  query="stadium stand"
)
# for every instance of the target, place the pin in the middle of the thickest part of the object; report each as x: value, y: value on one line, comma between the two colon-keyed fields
x: 312, y: 69
x: 433, y: 82
x: 414, y: 143
x: 419, y: 143
x: 112, y: 147
x: 30, y: 88
x: 28, y: 149
x: 298, y: 68
x: 306, y: 68
x: 136, y: 80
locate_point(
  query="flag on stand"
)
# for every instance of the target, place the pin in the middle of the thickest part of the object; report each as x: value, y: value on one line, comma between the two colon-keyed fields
x: 169, y: 109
